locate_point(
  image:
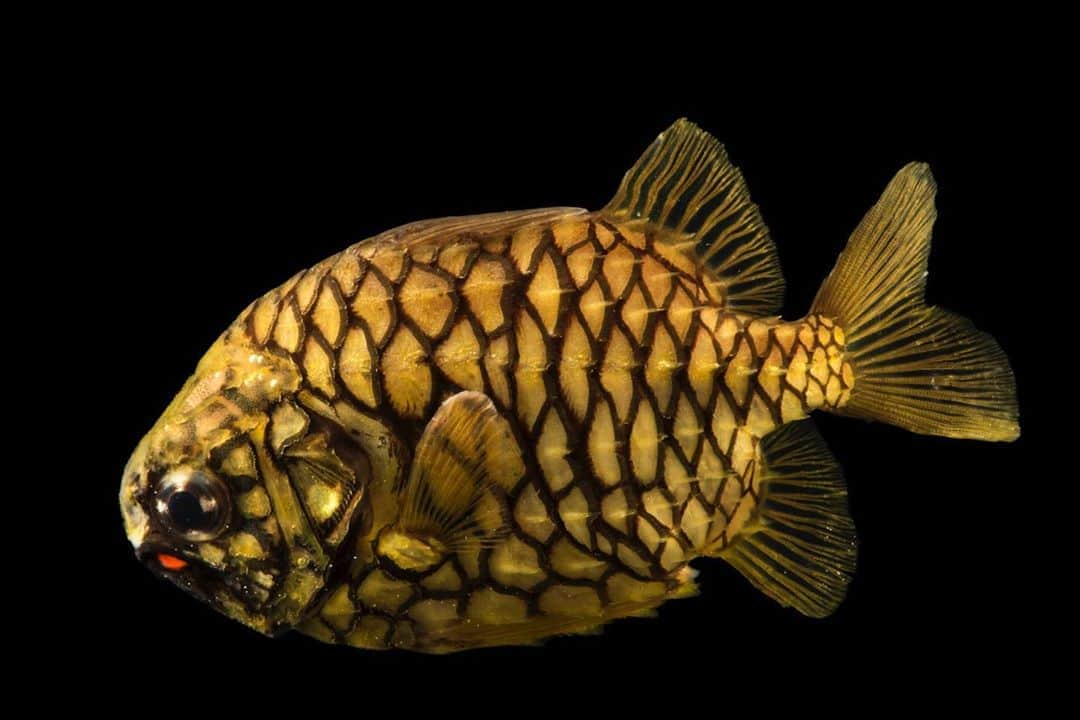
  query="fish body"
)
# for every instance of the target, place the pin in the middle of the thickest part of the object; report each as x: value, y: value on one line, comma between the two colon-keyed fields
x: 492, y: 429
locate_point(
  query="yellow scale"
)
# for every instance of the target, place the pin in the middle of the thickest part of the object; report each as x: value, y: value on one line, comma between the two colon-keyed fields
x: 554, y: 411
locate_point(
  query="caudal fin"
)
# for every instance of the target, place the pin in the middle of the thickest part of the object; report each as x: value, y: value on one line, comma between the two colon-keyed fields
x: 917, y: 367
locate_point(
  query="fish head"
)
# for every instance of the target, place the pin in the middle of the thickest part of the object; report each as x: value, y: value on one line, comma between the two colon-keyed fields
x: 239, y: 495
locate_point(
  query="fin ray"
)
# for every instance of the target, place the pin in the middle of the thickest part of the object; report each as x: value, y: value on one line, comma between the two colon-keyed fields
x: 800, y: 550
x: 685, y: 185
x: 439, y: 230
x: 918, y: 367
x: 466, y: 454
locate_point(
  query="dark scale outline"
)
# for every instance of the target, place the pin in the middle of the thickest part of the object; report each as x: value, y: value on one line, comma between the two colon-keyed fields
x: 319, y: 272
x: 739, y: 410
x: 239, y: 523
x: 344, y: 392
x: 509, y: 296
x: 330, y: 284
x: 514, y: 296
x: 472, y: 244
x: 775, y: 407
x: 590, y: 241
x: 289, y: 304
x: 720, y: 393
x: 316, y: 336
x: 567, y: 291
x: 709, y: 411
x: 682, y: 360
x: 219, y: 453
x: 679, y: 385
x: 249, y: 318
x: 680, y: 286
x: 428, y: 407
x: 374, y: 272
x: 532, y: 475
x: 573, y: 312
x: 647, y: 396
x: 642, y: 393
x: 532, y: 478
x: 546, y: 243
x: 453, y: 294
x: 603, y: 336
x: 550, y: 379
x: 402, y: 249
x: 347, y: 294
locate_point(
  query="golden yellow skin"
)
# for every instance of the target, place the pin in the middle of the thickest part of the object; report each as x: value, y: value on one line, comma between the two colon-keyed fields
x: 269, y: 561
x: 491, y: 429
x: 637, y: 402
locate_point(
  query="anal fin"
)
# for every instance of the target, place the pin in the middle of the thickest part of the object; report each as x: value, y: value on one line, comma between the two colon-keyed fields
x: 800, y: 549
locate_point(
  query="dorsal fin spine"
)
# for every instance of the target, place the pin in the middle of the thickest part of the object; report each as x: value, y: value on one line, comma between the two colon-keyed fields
x: 686, y: 189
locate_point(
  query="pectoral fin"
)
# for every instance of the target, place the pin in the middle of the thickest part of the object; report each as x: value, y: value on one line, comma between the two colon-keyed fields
x: 466, y: 461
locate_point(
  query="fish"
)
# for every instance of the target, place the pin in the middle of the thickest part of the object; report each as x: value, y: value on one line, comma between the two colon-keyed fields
x: 494, y: 429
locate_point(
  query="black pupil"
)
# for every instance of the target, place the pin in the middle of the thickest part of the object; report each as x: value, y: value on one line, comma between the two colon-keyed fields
x: 187, y: 512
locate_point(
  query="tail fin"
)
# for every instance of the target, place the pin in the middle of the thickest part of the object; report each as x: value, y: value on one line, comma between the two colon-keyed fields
x: 917, y: 367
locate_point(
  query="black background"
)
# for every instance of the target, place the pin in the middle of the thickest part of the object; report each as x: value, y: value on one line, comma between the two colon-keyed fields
x: 207, y: 184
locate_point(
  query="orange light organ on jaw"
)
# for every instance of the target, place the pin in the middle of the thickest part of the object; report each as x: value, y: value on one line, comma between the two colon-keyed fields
x: 171, y: 562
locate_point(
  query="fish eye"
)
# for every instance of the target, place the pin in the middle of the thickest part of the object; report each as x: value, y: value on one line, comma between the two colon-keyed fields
x: 192, y: 504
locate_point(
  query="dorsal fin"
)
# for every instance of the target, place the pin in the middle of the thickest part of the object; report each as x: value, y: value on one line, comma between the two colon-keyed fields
x: 439, y: 230
x: 465, y: 458
x: 684, y: 184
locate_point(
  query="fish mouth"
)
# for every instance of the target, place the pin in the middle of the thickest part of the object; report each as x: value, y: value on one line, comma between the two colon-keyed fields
x: 217, y: 587
x: 193, y: 578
